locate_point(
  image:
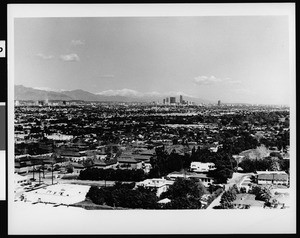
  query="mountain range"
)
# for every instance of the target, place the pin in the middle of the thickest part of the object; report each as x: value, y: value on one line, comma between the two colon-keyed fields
x: 123, y: 95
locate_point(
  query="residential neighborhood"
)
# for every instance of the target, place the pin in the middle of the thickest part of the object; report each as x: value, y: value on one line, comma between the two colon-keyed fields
x: 152, y: 150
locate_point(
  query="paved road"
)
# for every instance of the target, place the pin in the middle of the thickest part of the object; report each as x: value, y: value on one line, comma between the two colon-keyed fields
x: 87, y: 182
x: 215, y: 202
x: 237, y: 179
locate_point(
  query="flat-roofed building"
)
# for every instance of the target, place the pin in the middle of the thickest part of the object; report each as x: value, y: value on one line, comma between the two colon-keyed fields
x: 203, y: 178
x: 161, y: 185
x: 202, y: 167
x: 58, y: 194
x: 172, y: 100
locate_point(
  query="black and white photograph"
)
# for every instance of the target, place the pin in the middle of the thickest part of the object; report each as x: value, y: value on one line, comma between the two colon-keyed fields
x: 151, y: 118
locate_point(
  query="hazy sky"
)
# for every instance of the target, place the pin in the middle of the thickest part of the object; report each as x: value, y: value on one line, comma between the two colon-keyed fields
x: 234, y: 59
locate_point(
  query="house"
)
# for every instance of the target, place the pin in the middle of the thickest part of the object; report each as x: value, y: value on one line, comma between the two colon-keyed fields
x: 20, y: 180
x: 161, y: 185
x: 74, y: 156
x: 275, y: 177
x: 129, y: 163
x: 105, y: 164
x: 20, y: 168
x: 23, y: 167
x: 201, y: 167
x: 59, y: 137
x: 77, y: 168
x: 205, y: 180
x: 246, y: 200
x: 151, y: 152
x: 143, y: 158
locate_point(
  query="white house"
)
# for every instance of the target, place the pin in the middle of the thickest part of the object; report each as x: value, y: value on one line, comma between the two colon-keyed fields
x: 161, y: 185
x: 201, y: 167
x: 205, y: 180
x: 20, y: 180
x: 59, y: 137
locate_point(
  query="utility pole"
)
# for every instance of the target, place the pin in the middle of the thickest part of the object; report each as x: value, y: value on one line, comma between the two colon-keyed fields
x: 33, y: 169
x: 43, y: 170
x: 39, y: 175
x: 52, y: 172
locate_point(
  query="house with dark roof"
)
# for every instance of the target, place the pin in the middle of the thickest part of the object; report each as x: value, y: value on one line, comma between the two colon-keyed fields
x: 105, y: 164
x: 74, y: 156
x: 129, y: 163
x: 277, y: 177
x: 77, y: 168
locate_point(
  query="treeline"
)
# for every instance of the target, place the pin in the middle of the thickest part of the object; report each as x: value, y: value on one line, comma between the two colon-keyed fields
x: 123, y: 195
x: 112, y: 174
x: 268, y: 163
x: 184, y: 194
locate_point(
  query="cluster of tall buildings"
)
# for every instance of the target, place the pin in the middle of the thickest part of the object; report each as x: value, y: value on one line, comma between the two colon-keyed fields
x: 172, y: 101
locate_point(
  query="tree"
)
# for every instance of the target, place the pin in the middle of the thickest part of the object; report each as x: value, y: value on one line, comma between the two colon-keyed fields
x: 221, y: 175
x: 70, y: 168
x: 184, y: 194
x: 261, y: 193
x: 228, y: 197
x: 88, y: 162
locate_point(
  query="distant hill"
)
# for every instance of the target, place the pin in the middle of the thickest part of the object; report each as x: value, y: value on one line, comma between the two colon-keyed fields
x: 27, y: 93
x: 81, y: 95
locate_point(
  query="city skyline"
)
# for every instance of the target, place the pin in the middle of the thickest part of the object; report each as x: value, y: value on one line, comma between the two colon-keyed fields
x: 226, y: 57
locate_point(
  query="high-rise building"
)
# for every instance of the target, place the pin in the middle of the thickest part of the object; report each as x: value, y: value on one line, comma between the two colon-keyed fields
x: 219, y: 103
x: 167, y: 100
x: 164, y: 101
x: 180, y: 99
x: 172, y: 100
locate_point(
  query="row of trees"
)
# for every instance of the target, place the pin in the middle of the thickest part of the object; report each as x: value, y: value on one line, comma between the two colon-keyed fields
x: 112, y: 174
x: 184, y: 194
x: 123, y: 195
x: 268, y: 163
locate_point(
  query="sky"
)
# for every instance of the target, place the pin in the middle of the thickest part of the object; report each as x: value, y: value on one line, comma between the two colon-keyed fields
x: 235, y: 59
